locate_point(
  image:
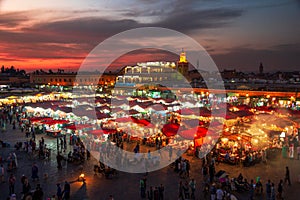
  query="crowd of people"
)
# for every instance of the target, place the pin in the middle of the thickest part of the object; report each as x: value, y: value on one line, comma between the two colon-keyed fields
x: 213, y: 187
x: 218, y: 186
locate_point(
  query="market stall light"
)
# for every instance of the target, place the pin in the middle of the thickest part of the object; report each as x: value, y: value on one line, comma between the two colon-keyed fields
x: 282, y: 135
x: 81, y: 178
x: 224, y: 140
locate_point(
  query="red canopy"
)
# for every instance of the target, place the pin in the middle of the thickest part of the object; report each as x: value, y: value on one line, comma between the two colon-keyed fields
x: 123, y: 119
x: 192, y: 133
x: 170, y: 129
x: 264, y: 108
x: 53, y: 121
x: 79, y: 126
x: 243, y: 107
x: 100, y: 132
x: 142, y: 122
x: 188, y: 111
x: 204, y: 112
x: 38, y: 119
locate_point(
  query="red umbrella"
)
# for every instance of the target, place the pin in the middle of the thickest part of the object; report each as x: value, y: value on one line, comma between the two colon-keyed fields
x: 170, y: 129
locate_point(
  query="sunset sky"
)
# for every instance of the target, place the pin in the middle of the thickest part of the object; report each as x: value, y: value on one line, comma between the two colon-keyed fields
x: 38, y: 34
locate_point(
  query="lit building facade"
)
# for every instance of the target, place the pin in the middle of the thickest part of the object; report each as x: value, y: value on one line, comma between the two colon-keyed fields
x: 154, y: 72
x: 71, y: 79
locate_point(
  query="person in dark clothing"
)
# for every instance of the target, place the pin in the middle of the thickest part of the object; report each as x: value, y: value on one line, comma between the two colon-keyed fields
x: 59, y: 192
x: 11, y: 184
x: 268, y: 190
x: 61, y: 144
x: 280, y: 189
x: 287, y: 176
x: 59, y: 158
x: 38, y: 193
x: 188, y: 167
x: 88, y: 155
x: 161, y: 190
x: 251, y: 190
x: 67, y: 191
x: 26, y: 187
x: 156, y: 194
x: 65, y: 142
x: 211, y: 172
x: 150, y: 193
x: 34, y: 172
x: 142, y: 188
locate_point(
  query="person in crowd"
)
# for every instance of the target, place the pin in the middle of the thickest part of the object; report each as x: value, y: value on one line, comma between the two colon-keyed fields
x: 287, y: 176
x: 186, y: 190
x: 205, y: 173
x: 67, y: 191
x: 111, y: 197
x: 26, y: 187
x: 180, y: 191
x: 34, y: 172
x: 142, y: 188
x: 268, y: 189
x: 59, y: 158
x: 13, y: 197
x: 258, y: 186
x: 59, y: 193
x: 220, y: 194
x: 161, y: 190
x: 156, y: 193
x: 211, y: 173
x: 150, y: 194
x: 38, y: 193
x: 251, y: 190
x: 240, y: 178
x: 213, y: 191
x: 2, y: 173
x: 273, y: 192
x: 192, y: 185
x: 11, y: 184
x: 280, y: 189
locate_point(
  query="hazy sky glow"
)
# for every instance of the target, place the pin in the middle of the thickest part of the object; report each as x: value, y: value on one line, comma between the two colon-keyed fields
x: 55, y: 34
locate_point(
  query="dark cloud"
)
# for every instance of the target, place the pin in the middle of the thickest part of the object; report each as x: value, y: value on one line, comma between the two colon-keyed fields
x: 280, y: 57
x: 187, y: 21
x: 75, y: 38
x: 85, y: 32
x: 93, y: 30
x: 143, y: 55
x: 12, y: 19
x: 90, y: 26
x: 144, y: 13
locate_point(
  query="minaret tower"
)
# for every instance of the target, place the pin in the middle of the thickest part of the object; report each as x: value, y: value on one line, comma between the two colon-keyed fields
x: 182, y: 64
x: 261, y: 68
